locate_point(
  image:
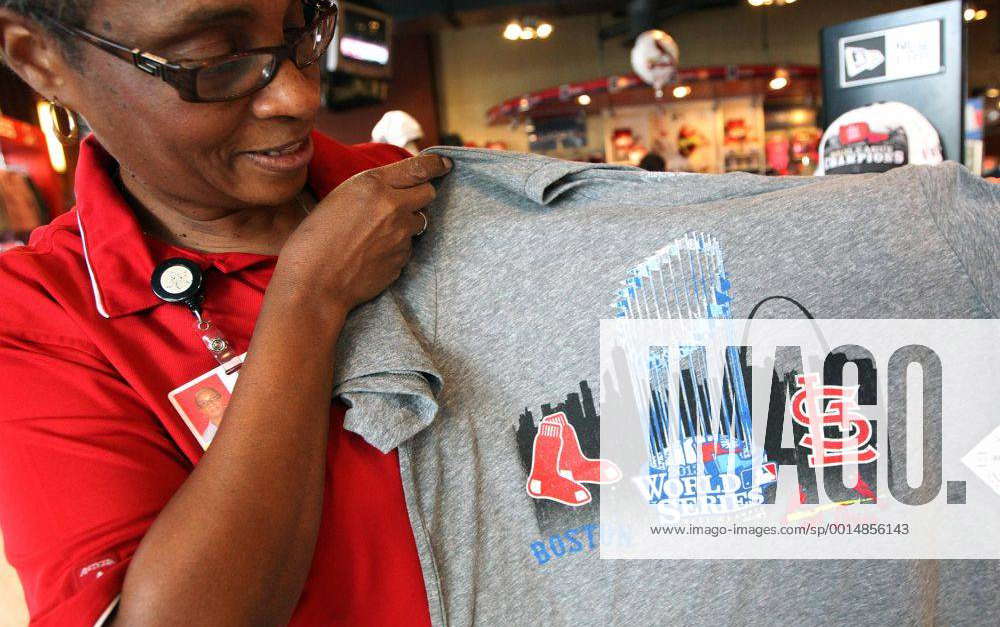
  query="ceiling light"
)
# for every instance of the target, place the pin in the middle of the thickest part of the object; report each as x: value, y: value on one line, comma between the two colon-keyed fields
x: 682, y: 91
x: 583, y: 99
x: 780, y: 80
x: 981, y: 14
x: 755, y: 3
x: 527, y: 28
x: 993, y: 92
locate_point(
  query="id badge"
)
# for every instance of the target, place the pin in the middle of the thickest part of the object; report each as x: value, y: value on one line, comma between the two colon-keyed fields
x: 202, y: 401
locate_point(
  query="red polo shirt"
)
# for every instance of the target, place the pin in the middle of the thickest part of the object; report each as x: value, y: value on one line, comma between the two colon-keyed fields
x: 91, y: 448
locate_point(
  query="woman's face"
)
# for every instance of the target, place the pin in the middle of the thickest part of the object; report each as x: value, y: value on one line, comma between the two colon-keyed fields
x: 200, y: 154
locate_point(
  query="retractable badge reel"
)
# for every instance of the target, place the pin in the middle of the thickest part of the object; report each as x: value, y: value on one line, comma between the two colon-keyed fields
x: 181, y: 281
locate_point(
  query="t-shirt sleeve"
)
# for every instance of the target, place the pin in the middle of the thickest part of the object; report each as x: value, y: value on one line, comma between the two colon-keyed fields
x: 85, y: 468
x: 966, y: 208
x: 385, y: 371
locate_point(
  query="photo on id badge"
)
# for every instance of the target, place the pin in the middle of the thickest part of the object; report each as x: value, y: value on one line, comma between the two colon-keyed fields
x: 201, y: 403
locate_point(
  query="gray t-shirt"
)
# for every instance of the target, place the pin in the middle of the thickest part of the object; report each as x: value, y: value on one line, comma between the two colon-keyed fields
x: 494, y: 325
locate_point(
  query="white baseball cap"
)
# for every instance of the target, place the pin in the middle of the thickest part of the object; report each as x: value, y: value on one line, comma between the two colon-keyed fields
x: 876, y: 138
x: 398, y: 128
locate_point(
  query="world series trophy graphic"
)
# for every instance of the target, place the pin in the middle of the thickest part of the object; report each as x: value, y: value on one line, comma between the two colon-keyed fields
x: 698, y: 432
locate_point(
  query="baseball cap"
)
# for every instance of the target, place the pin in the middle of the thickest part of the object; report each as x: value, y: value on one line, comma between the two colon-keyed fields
x: 876, y: 138
x: 397, y: 128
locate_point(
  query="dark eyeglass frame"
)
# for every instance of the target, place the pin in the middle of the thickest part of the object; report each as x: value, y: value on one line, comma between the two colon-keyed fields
x: 182, y: 74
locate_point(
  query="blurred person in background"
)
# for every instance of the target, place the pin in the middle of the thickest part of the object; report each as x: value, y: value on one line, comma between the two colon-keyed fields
x: 653, y: 162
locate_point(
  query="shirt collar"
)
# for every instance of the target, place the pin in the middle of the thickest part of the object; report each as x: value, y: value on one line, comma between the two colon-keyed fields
x: 120, y: 258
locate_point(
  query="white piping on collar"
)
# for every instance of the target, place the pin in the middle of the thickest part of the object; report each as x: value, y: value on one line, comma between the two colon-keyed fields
x: 107, y: 613
x: 90, y: 270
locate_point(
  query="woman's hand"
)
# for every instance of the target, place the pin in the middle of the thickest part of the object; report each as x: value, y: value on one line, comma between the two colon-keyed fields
x: 356, y: 241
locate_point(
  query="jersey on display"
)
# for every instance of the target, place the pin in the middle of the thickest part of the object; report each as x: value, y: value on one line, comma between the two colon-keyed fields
x: 482, y: 366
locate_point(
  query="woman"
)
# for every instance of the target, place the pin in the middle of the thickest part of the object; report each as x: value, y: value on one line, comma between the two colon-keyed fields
x: 105, y: 490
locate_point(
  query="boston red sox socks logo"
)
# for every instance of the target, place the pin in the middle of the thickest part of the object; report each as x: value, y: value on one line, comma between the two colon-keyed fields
x: 559, y: 467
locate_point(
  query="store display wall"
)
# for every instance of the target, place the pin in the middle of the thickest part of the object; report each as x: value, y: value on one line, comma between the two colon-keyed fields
x: 476, y: 67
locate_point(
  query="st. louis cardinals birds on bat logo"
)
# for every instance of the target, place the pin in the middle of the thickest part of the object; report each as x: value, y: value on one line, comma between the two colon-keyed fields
x: 654, y: 58
x: 559, y: 468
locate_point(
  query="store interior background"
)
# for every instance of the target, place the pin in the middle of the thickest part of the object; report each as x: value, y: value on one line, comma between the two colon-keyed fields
x: 474, y: 72
x: 466, y: 67
x: 452, y: 66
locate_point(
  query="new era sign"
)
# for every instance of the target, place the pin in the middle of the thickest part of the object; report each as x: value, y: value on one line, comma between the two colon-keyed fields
x: 865, y: 59
x: 893, y: 54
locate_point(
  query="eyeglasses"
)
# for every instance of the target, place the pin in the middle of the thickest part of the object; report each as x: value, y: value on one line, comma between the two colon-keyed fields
x: 231, y: 76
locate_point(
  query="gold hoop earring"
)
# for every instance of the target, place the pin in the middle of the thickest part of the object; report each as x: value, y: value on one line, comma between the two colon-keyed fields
x: 66, y: 133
